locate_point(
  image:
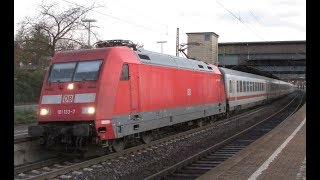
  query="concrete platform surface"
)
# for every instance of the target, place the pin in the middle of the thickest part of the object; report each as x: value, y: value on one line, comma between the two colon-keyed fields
x: 280, y: 154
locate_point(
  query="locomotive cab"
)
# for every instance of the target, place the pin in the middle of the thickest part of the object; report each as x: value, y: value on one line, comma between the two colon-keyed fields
x: 70, y: 112
x: 68, y: 95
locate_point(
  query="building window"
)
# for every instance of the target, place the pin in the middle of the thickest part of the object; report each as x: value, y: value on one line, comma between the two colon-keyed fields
x: 207, y: 37
x: 125, y: 73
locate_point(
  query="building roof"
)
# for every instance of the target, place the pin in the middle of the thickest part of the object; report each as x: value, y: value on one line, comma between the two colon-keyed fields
x: 211, y: 33
x: 263, y: 42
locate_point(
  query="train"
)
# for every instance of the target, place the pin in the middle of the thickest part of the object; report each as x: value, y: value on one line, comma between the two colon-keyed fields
x: 116, y: 92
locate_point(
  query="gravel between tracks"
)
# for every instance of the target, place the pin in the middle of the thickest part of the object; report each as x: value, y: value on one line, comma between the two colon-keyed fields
x: 147, y: 162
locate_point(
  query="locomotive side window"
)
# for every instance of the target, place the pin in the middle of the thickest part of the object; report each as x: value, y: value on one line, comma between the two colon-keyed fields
x: 87, y: 71
x: 125, y: 73
x: 62, y: 72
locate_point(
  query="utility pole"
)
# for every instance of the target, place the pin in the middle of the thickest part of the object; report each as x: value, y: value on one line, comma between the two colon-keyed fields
x: 177, y: 43
x: 248, y: 56
x: 89, y: 21
x: 161, y: 42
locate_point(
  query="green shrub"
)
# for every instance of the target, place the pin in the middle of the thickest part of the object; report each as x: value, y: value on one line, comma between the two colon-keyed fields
x: 23, y: 117
x: 27, y: 86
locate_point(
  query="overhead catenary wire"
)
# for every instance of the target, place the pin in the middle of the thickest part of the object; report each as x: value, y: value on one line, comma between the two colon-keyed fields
x: 123, y: 20
x: 255, y: 17
x: 239, y: 19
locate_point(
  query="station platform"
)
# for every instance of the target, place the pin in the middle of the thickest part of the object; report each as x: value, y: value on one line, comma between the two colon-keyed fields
x: 279, y: 154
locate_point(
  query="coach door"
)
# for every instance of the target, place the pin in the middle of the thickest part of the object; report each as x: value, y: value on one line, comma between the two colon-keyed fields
x: 134, y: 89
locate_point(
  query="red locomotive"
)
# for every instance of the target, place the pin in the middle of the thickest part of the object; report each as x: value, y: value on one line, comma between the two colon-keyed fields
x: 108, y: 95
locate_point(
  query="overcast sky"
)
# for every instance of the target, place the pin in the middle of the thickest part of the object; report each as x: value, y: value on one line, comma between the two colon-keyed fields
x: 149, y: 21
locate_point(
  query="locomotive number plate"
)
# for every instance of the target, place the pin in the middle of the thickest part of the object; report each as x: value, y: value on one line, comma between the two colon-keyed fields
x: 66, y: 111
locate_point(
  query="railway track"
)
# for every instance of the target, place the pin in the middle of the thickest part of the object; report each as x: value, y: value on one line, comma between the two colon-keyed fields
x: 200, y: 163
x: 68, y: 169
x: 56, y: 167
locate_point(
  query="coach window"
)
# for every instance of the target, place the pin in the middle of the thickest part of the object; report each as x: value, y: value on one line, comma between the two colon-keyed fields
x: 237, y: 86
x: 240, y: 86
x: 248, y: 86
x: 230, y: 87
x: 125, y: 73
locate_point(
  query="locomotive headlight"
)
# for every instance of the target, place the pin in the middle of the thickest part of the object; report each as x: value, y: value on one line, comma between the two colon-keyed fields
x: 44, y: 112
x: 91, y: 110
x: 70, y: 86
x: 88, y: 110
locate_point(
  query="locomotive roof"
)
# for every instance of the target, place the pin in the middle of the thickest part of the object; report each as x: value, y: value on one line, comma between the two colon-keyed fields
x: 150, y: 57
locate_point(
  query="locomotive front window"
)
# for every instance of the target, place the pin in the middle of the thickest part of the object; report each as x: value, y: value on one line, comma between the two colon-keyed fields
x: 62, y: 72
x: 87, y: 71
x: 75, y: 71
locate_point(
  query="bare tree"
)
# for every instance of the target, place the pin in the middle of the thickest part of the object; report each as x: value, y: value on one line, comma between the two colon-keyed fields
x: 62, y: 27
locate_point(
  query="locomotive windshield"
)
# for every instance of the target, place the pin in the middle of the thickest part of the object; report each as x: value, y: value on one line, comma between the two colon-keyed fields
x: 75, y: 71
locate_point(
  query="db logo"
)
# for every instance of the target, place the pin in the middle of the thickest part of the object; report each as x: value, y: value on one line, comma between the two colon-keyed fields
x: 188, y: 92
x: 67, y: 99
